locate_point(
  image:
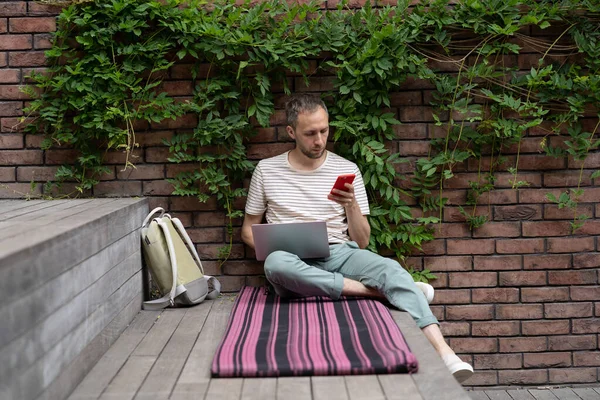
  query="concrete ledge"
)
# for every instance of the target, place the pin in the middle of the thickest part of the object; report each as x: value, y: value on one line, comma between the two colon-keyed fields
x: 71, y: 271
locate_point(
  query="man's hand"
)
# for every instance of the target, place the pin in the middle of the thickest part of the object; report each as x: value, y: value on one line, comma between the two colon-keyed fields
x: 344, y: 198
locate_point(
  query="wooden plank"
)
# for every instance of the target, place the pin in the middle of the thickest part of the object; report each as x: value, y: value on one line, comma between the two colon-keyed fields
x: 364, y: 387
x: 26, y: 313
x: 11, y: 207
x: 478, y: 395
x: 520, y: 394
x: 542, y: 394
x: 155, y: 341
x: 432, y: 374
x: 72, y: 375
x: 259, y: 389
x: 571, y: 394
x: 166, y: 370
x: 329, y: 388
x: 39, y: 257
x: 498, y: 395
x: 195, y: 376
x: 104, y: 371
x: 293, y: 388
x: 32, y: 381
x: 224, y: 389
x: 399, y: 387
x: 128, y: 380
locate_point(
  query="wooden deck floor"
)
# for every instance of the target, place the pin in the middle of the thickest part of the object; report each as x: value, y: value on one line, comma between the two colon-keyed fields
x: 538, y: 394
x: 167, y: 355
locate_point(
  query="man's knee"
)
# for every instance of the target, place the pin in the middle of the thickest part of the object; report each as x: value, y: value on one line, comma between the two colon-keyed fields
x: 277, y: 264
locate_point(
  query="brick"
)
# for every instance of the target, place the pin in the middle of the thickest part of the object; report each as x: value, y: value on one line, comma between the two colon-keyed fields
x: 13, y: 8
x: 20, y: 157
x: 142, y: 172
x: 410, y: 131
x: 36, y: 174
x: 505, y: 180
x: 546, y: 360
x: 438, y: 312
x: 157, y: 188
x: 409, y: 98
x: 591, y: 325
x: 590, y: 195
x: 3, y: 25
x: 157, y: 154
x: 495, y: 295
x: 518, y: 212
x: 452, y: 297
x: 19, y: 191
x: 448, y: 263
x: 205, y: 219
x: 570, y: 245
x: 245, y: 267
x: 452, y: 214
x: 176, y: 88
x: 547, y: 261
x: 572, y: 277
x: 56, y: 157
x: 590, y: 227
x: 545, y: 328
x: 470, y: 246
x: 184, y: 217
x: 498, y: 196
x: 10, y: 76
x: 262, y: 151
x: 118, y: 189
x: 35, y: 8
x: 418, y: 114
x: 579, y: 293
x: 469, y: 312
x: 154, y: 138
x: 572, y: 375
x: 474, y: 345
x: 497, y: 263
x: 413, y: 148
x: 534, y: 162
x: 522, y: 344
x: 462, y: 180
x: 7, y: 174
x: 498, y: 229
x: 522, y: 278
x: 586, y: 359
x: 231, y: 283
x: 12, y: 92
x: 588, y: 260
x: 546, y: 228
x: 187, y: 121
x: 570, y: 343
x: 523, y: 377
x: 3, y: 59
x: 455, y: 328
x: 449, y: 230
x: 537, y: 196
x: 192, y: 204
x: 520, y: 246
x: 211, y: 251
x: 207, y: 235
x: 544, y: 294
x: 11, y: 141
x: 42, y: 41
x: 32, y: 24
x: 568, y: 310
x: 26, y: 59
x: 315, y: 84
x: 483, y: 378
x: 497, y: 361
x: 484, y: 164
x: 566, y: 179
x: 519, y: 311
x: 262, y: 135
x: 495, y: 328
x: 473, y: 279
x: 11, y: 108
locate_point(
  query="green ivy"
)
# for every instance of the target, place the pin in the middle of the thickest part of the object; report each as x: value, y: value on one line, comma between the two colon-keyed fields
x: 109, y: 59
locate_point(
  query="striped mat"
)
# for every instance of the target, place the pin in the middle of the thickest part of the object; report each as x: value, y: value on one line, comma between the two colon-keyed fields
x: 270, y: 336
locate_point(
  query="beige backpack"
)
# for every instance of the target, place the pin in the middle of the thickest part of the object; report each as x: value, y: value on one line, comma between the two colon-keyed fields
x: 174, y: 264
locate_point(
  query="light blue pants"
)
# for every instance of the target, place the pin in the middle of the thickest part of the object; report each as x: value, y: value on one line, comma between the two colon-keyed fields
x: 293, y: 277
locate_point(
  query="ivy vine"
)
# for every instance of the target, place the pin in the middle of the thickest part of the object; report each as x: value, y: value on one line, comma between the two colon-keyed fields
x: 110, y: 58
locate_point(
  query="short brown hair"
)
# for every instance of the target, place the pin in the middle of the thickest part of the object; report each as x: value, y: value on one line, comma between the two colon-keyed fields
x: 300, y: 103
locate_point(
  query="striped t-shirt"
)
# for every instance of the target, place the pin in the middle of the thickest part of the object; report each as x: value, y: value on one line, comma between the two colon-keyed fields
x: 290, y: 195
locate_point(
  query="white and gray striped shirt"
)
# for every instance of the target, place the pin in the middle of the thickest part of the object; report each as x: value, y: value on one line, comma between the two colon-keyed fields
x: 290, y: 195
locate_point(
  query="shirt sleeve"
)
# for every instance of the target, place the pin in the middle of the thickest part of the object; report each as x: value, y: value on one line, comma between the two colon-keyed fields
x: 361, y: 193
x: 256, y: 202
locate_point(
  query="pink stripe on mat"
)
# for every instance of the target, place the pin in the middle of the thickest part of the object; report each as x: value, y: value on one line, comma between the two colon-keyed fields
x: 270, y: 336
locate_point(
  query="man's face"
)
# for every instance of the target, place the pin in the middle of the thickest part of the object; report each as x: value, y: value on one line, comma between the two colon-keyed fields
x: 312, y: 130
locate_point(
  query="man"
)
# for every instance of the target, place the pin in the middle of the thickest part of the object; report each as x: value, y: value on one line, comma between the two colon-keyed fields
x: 295, y: 186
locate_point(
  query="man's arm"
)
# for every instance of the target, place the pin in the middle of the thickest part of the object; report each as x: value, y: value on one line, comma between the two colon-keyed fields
x: 249, y: 220
x: 359, y: 229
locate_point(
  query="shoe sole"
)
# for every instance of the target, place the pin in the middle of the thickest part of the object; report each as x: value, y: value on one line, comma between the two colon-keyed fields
x: 462, y: 374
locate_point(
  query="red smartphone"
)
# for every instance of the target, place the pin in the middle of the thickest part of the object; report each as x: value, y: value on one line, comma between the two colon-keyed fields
x: 340, y: 182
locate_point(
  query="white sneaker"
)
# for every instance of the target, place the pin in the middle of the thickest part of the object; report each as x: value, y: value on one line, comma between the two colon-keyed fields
x: 458, y: 368
x: 427, y: 290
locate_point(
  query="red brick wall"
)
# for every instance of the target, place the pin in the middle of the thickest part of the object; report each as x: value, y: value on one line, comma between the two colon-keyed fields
x: 519, y: 298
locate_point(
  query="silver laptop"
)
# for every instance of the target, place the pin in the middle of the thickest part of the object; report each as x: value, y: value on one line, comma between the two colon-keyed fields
x: 305, y: 239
